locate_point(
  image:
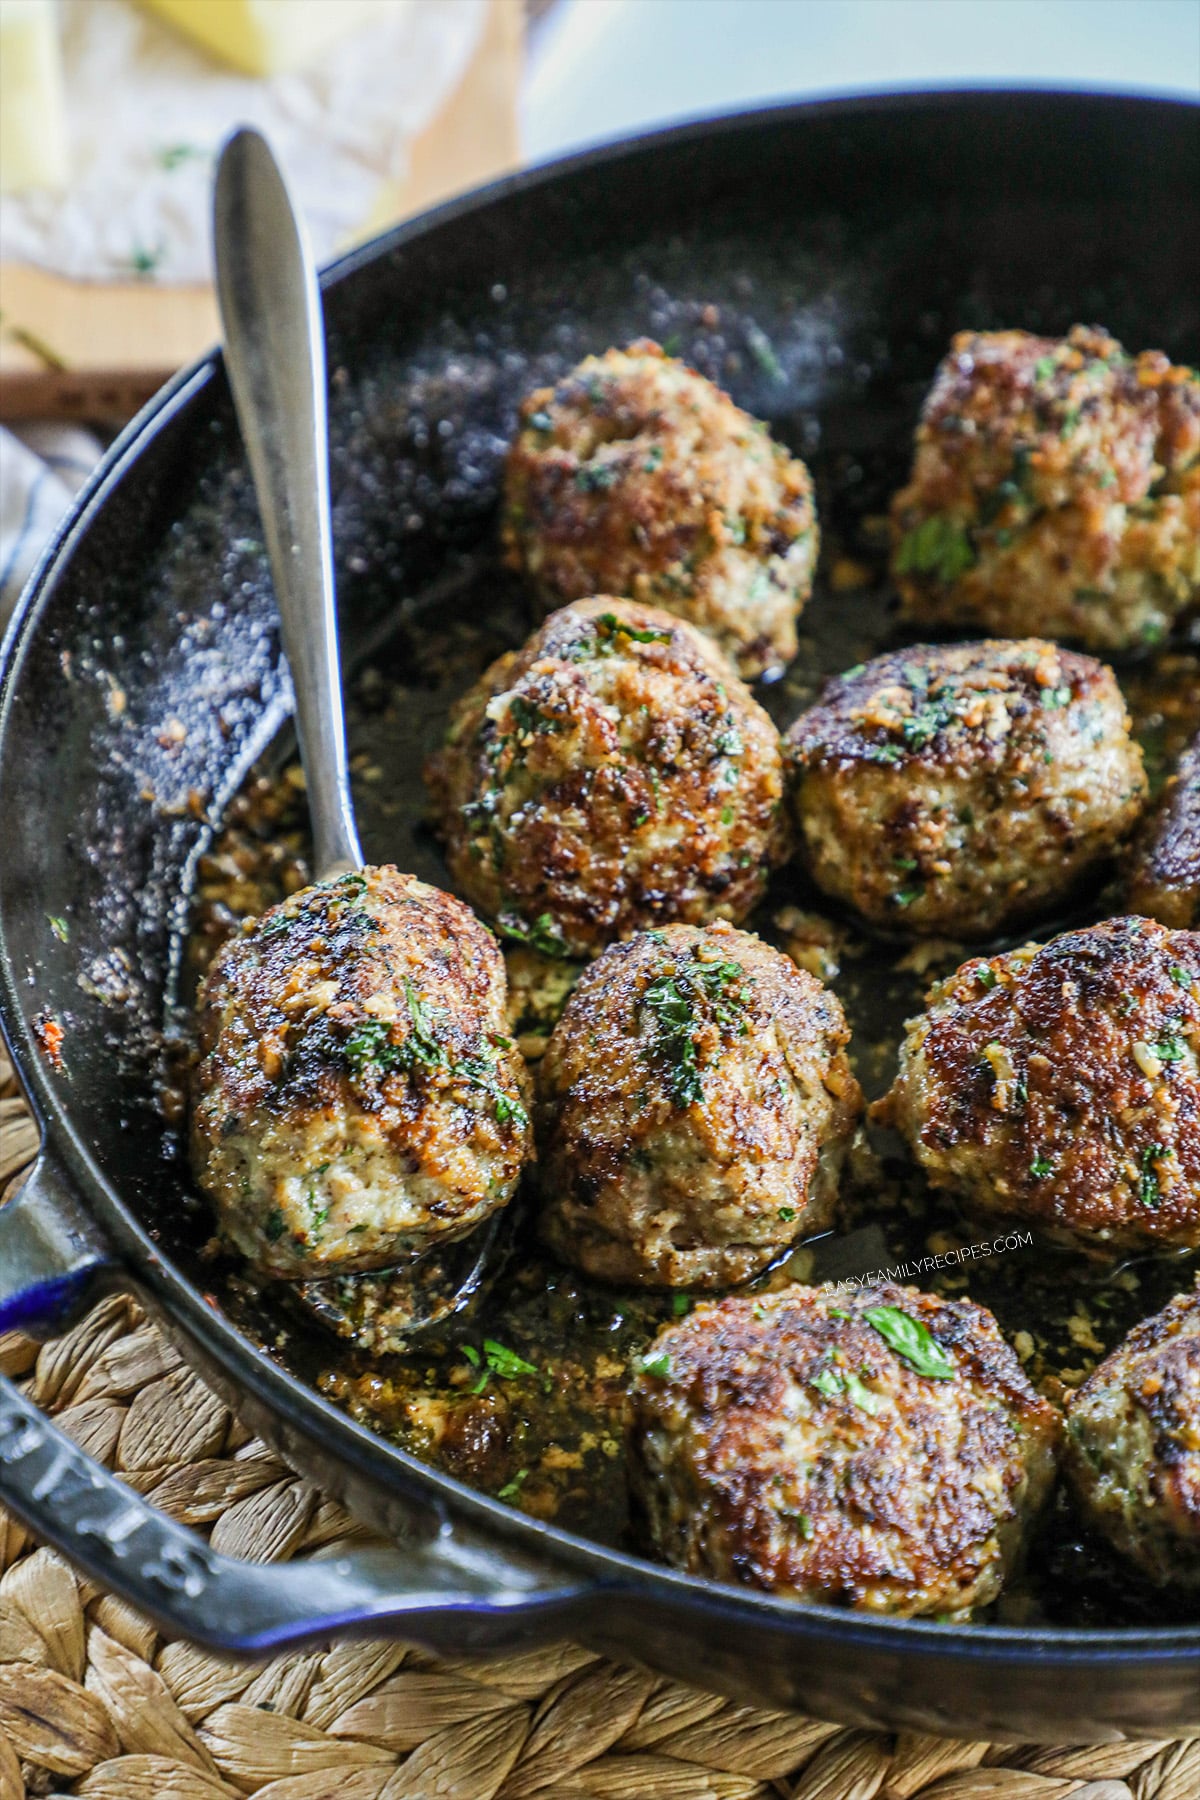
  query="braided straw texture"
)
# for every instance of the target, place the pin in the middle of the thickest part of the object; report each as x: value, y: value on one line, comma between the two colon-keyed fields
x: 93, y: 1702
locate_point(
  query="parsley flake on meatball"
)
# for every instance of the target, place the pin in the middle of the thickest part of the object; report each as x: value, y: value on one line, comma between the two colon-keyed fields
x: 1061, y: 1084
x: 612, y: 774
x: 357, y: 1097
x: 695, y: 1107
x: 1133, y: 1445
x: 636, y: 476
x: 881, y: 1449
x: 1055, y: 488
x: 960, y: 790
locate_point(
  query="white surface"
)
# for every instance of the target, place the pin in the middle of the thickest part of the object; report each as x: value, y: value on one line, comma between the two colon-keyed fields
x: 605, y: 67
x: 146, y: 110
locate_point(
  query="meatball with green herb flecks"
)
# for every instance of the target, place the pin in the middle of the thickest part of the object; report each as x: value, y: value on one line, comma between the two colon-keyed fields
x: 960, y: 790
x: 879, y: 1449
x: 695, y: 1104
x: 1133, y: 1445
x: 636, y: 476
x: 1055, y: 489
x: 613, y: 774
x: 357, y: 1097
x: 1060, y: 1084
x: 1164, y: 864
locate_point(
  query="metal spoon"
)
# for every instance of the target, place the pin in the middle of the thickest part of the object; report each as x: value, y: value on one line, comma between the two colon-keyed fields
x: 275, y: 358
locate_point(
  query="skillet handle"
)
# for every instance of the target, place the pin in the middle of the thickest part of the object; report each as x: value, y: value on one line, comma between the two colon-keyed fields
x: 440, y: 1591
x: 51, y: 1252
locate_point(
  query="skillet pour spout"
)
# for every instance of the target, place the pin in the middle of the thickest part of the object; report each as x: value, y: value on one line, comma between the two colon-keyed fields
x: 853, y: 237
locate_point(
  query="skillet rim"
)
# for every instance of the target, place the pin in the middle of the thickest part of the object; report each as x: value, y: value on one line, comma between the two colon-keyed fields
x: 365, y: 1454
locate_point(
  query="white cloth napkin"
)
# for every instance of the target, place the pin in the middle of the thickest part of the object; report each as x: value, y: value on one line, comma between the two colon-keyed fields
x: 41, y: 471
x: 146, y: 110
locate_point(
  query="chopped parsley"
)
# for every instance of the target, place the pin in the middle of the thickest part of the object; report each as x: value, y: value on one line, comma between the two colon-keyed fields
x: 543, y: 935
x: 859, y: 1394
x: 173, y: 156
x: 1169, y: 1050
x: 1149, y: 1191
x: 763, y: 351
x: 1177, y: 972
x: 912, y: 1340
x: 985, y: 975
x: 673, y: 1002
x: 832, y: 1382
x: 143, y: 260
x: 506, y: 1363
x: 1055, y: 697
x: 512, y: 1488
x: 1040, y: 1167
x: 596, y: 477
x: 653, y: 460
x: 59, y: 927
x: 274, y: 1227
x: 787, y: 1214
x: 939, y: 546
x: 1043, y: 368
x: 681, y: 1304
x: 658, y: 1364
x: 370, y: 1046
x: 609, y: 628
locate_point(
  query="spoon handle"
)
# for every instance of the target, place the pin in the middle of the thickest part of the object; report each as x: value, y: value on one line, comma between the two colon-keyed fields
x: 275, y: 358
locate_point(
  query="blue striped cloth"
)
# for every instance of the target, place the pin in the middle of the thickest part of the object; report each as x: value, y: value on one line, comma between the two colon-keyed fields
x: 42, y: 467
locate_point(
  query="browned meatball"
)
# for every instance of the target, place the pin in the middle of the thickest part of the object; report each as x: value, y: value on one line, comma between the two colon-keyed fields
x: 695, y: 1105
x: 637, y: 476
x: 612, y: 774
x: 960, y: 790
x: 1165, y: 864
x: 356, y: 1097
x: 881, y: 1449
x: 1133, y: 1445
x: 1061, y: 1084
x: 1055, y: 488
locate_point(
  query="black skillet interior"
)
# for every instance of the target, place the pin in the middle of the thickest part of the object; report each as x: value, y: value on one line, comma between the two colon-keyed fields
x: 814, y: 263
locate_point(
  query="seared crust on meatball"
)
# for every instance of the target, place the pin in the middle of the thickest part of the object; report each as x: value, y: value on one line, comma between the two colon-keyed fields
x: 695, y: 1105
x: 1165, y: 862
x: 1061, y: 1084
x: 612, y: 774
x: 959, y: 790
x: 1133, y: 1445
x: 637, y: 476
x: 356, y: 1096
x: 1055, y: 488
x: 786, y: 1443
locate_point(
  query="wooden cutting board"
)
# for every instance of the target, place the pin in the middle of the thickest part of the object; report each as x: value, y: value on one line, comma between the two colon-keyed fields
x: 98, y: 350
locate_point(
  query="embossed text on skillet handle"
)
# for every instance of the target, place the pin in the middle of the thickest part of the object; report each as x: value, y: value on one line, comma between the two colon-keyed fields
x: 443, y: 1592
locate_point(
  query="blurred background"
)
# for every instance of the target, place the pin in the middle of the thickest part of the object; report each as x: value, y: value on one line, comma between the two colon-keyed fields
x: 600, y: 68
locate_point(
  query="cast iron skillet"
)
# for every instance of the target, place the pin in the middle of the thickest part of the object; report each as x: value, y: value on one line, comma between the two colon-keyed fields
x: 842, y: 243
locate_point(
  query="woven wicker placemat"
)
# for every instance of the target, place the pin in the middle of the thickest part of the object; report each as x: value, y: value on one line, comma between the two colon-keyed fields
x: 93, y: 1701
